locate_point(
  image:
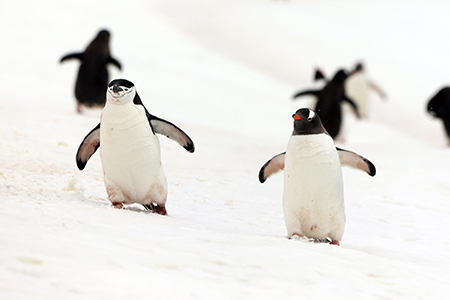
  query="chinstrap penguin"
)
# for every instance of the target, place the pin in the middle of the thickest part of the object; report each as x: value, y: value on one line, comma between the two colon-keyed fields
x: 329, y: 101
x: 130, y: 150
x: 93, y: 76
x: 313, y: 196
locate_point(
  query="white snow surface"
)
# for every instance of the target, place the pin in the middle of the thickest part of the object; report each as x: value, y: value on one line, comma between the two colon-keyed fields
x: 224, y: 71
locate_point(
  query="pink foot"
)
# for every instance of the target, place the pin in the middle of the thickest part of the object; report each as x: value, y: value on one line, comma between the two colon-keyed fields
x: 160, y: 210
x: 295, y: 236
x: 118, y: 205
x: 335, y: 242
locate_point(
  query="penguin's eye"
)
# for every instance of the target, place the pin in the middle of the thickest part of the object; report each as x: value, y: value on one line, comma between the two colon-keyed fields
x: 125, y: 89
x: 310, y: 119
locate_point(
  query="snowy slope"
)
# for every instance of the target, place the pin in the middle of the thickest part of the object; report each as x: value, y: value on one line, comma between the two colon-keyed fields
x: 223, y: 71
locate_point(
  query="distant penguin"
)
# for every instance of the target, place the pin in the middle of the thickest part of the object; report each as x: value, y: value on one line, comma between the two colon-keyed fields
x: 319, y: 81
x: 358, y: 87
x: 439, y: 107
x: 93, y: 77
x: 313, y: 196
x: 329, y: 100
x: 130, y: 150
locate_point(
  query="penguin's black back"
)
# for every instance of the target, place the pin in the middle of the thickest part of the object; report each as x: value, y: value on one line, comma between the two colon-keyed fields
x: 328, y: 106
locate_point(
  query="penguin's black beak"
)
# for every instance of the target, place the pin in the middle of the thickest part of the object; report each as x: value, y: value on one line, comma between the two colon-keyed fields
x: 117, y: 89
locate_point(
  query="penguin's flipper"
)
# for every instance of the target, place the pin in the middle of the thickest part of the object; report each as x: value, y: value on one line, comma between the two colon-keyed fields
x: 71, y: 56
x: 115, y: 62
x: 356, y: 161
x: 307, y: 92
x: 272, y: 166
x: 377, y: 89
x: 353, y: 105
x: 171, y: 131
x: 88, y: 147
x: 166, y: 128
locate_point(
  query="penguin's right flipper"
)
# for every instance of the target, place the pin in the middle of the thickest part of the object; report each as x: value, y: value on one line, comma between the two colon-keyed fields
x: 353, y: 105
x: 88, y: 147
x: 307, y: 92
x: 71, y: 56
x: 115, y: 62
x: 274, y: 165
x: 356, y: 161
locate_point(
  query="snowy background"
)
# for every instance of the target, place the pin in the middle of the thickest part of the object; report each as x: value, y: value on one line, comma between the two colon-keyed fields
x: 224, y: 71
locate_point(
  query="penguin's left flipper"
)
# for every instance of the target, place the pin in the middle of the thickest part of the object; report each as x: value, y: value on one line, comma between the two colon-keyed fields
x: 356, y: 161
x: 88, y: 147
x: 274, y: 165
x: 171, y: 131
x: 71, y: 56
x: 377, y: 89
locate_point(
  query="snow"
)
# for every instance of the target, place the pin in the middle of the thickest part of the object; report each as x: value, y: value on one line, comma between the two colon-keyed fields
x: 223, y: 71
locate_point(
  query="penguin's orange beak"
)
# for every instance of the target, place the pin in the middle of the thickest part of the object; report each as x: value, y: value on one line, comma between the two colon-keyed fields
x: 297, y: 117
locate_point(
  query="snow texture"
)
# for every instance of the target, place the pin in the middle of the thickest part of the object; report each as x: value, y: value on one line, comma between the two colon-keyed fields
x: 224, y: 71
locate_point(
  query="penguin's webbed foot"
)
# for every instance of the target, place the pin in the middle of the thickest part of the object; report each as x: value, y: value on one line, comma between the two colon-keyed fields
x: 149, y: 207
x: 118, y: 205
x: 159, y: 209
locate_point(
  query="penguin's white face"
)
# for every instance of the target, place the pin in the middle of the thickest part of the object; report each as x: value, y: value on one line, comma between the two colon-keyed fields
x: 120, y: 91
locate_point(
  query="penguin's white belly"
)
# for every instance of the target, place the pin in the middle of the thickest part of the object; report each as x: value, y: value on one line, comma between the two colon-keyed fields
x: 130, y: 155
x: 358, y: 90
x: 313, y: 199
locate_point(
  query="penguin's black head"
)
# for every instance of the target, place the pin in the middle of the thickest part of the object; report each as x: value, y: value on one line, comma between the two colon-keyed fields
x: 359, y: 67
x: 121, y: 91
x: 306, y: 121
x: 340, y: 76
x: 103, y: 35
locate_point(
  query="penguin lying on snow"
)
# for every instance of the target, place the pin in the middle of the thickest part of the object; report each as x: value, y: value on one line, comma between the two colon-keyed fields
x: 329, y: 100
x: 130, y: 151
x: 313, y: 197
x: 439, y: 107
x: 92, y: 79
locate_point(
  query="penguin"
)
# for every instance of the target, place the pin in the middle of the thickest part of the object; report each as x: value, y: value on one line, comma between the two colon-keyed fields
x: 319, y: 81
x: 358, y: 87
x: 93, y: 77
x: 313, y: 195
x: 130, y: 151
x: 329, y: 100
x: 439, y: 107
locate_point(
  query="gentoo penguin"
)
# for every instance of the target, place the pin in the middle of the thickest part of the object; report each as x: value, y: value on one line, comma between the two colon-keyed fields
x: 358, y: 86
x: 313, y: 197
x: 319, y: 81
x: 93, y: 77
x: 439, y: 107
x: 329, y: 100
x: 130, y: 151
